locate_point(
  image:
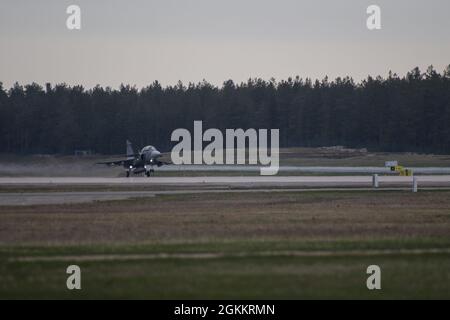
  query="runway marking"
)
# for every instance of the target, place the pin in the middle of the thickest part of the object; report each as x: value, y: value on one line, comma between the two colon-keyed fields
x: 218, y: 255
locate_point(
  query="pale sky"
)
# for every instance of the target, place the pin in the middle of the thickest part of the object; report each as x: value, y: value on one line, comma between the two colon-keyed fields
x: 139, y: 41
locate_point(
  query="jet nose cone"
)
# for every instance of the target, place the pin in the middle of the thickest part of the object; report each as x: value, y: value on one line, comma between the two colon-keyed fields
x: 156, y: 153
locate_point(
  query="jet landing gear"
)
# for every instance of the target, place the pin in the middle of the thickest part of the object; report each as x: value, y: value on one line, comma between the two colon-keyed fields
x: 150, y: 172
x: 128, y: 172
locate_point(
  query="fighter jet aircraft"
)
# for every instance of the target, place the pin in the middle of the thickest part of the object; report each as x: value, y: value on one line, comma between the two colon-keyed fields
x: 144, y: 161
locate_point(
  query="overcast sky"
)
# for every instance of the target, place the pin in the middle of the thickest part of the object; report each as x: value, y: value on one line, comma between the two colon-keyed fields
x: 139, y: 41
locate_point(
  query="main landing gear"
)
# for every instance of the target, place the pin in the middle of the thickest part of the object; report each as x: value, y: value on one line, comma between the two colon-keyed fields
x: 148, y: 171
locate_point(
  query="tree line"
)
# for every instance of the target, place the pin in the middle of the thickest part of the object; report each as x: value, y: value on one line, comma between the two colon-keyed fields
x: 409, y: 113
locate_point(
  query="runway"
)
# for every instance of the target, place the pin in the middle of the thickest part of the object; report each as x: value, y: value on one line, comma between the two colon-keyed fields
x: 192, y: 185
x: 303, y: 169
x: 245, y: 181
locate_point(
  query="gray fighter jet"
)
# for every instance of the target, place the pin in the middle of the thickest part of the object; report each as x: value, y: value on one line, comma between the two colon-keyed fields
x: 142, y: 162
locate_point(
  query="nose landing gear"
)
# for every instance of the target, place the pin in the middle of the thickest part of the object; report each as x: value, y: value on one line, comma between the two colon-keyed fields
x: 150, y: 172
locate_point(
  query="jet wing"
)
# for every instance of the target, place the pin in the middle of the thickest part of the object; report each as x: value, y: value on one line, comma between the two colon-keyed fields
x: 165, y: 159
x: 118, y: 162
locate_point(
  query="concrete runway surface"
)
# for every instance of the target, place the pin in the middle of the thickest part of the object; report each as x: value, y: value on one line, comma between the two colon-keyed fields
x: 254, y: 181
x: 217, y: 184
x: 303, y: 169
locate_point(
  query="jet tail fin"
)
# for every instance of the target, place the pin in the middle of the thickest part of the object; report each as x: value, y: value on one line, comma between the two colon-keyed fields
x: 130, y: 152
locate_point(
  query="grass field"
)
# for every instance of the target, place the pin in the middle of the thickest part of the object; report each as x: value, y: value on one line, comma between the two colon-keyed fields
x: 235, y: 245
x: 227, y: 277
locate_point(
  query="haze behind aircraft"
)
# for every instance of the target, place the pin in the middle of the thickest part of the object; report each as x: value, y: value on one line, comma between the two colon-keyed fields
x: 144, y: 161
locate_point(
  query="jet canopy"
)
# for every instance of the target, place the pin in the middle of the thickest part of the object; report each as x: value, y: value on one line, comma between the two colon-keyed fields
x: 147, y: 149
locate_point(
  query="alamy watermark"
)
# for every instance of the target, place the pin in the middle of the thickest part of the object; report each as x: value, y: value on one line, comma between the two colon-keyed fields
x: 74, y: 279
x: 374, y: 20
x: 374, y: 280
x: 238, y: 147
x: 73, y: 21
